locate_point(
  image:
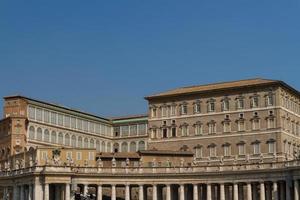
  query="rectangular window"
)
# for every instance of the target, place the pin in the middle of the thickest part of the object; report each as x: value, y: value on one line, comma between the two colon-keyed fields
x: 85, y: 125
x: 226, y: 127
x: 225, y: 105
x: 46, y: 116
x: 211, y: 128
x: 271, y: 123
x: 73, y: 122
x: 256, y: 148
x: 254, y: 103
x: 270, y: 100
x: 184, y: 109
x: 165, y: 133
x: 173, y: 110
x: 184, y: 130
x: 241, y: 126
x: 227, y: 150
x: 133, y: 129
x: 60, y: 119
x: 197, y: 108
x: 142, y: 129
x: 39, y: 114
x: 31, y: 112
x: 212, y: 152
x: 198, y: 152
x: 67, y: 121
x: 255, y: 124
x: 92, y: 127
x: 153, y: 112
x: 240, y: 103
x: 98, y: 128
x: 198, y: 129
x: 124, y: 130
x: 164, y: 111
x: 211, y: 107
x: 271, y: 147
x: 78, y: 155
x: 241, y: 148
x: 69, y: 155
x: 91, y: 156
x: 44, y: 155
x: 53, y: 118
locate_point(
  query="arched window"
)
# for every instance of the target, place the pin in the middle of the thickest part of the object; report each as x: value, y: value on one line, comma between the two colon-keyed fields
x: 60, y: 138
x: 53, y: 137
x: 67, y: 140
x: 86, y: 143
x: 46, y: 135
x: 132, y: 147
x: 116, y: 148
x: 73, y: 141
x: 124, y: 147
x: 79, y: 143
x: 31, y: 132
x: 141, y: 145
x: 98, y: 147
x: 92, y: 144
x: 39, y: 135
x: 103, y: 147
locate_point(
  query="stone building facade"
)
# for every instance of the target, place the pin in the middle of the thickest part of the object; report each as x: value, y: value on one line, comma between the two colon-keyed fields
x: 223, y: 141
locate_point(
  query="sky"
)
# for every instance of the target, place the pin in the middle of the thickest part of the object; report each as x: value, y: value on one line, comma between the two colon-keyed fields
x: 104, y: 57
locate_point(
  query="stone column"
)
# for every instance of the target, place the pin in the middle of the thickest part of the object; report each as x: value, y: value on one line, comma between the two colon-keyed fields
x: 235, y: 191
x: 38, y: 192
x: 208, y: 191
x: 85, y: 189
x: 113, y: 192
x: 168, y: 192
x: 67, y: 191
x: 99, y: 192
x: 141, y: 192
x: 30, y: 192
x: 222, y: 191
x: 262, y: 191
x: 16, y: 193
x: 249, y: 191
x: 127, y: 192
x: 296, y: 190
x: 195, y: 192
x: 46, y: 191
x: 275, y: 191
x: 154, y: 192
x: 22, y: 192
x: 182, y: 194
x: 287, y: 190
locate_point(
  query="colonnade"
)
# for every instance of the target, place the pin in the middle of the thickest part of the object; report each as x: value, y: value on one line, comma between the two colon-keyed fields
x: 265, y: 190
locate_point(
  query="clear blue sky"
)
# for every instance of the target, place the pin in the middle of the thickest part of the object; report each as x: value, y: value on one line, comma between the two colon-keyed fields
x: 105, y: 56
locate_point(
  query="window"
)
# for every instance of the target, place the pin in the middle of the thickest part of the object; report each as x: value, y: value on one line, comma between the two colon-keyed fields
x: 241, y: 148
x: 198, y: 151
x: 73, y: 141
x: 141, y: 145
x: 184, y: 130
x: 211, y: 106
x: 85, y: 125
x: 39, y: 135
x: 78, y: 155
x: 255, y: 124
x: 173, y: 110
x: 53, y: 137
x: 53, y: 118
x: 173, y: 131
x: 133, y: 130
x: 86, y: 143
x: 183, y: 109
x: 73, y: 122
x: 91, y: 155
x: 153, y: 133
x: 227, y: 149
x: 46, y: 116
x: 69, y: 155
x: 256, y: 148
x: 79, y: 124
x: 142, y: 129
x: 212, y: 150
x: 79, y: 142
x: 67, y: 121
x: 254, y: 102
x: 125, y: 130
x: 46, y: 136
x: 67, y: 140
x: 197, y: 107
x: 226, y: 126
x: 60, y: 120
x: 153, y: 112
x: 60, y: 138
x: 44, y: 155
x: 92, y: 127
x: 198, y: 129
x: 164, y: 111
x: 31, y: 112
x: 241, y: 125
x: 240, y: 102
x: 271, y: 122
x: 271, y: 146
x: 269, y: 100
x: 31, y: 132
x: 39, y: 115
x: 165, y: 133
x: 212, y: 127
x: 225, y: 104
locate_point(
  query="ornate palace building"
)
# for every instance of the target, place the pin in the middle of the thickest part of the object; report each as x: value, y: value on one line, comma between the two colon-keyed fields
x: 236, y: 140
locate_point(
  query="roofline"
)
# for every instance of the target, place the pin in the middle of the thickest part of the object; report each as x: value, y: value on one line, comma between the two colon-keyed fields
x: 55, y: 105
x: 128, y: 117
x: 275, y: 82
